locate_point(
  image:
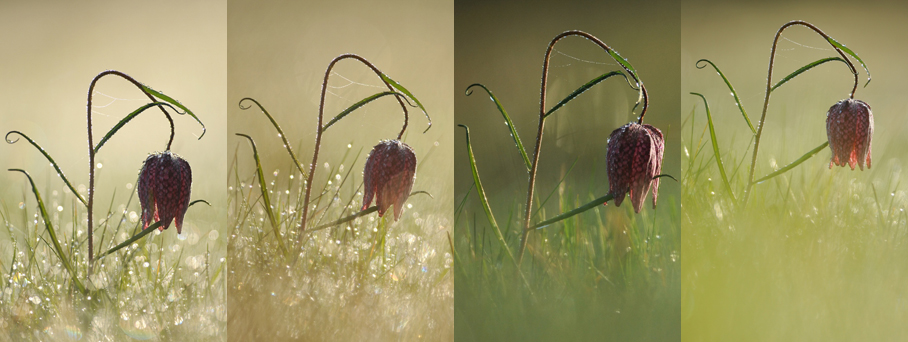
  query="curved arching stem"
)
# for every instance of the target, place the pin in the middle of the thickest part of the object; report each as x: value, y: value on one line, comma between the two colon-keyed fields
x: 772, y: 56
x: 91, y: 148
x: 319, y: 130
x: 545, y: 77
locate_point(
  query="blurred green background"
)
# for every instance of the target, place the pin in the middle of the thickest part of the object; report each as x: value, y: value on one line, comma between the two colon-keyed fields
x: 818, y: 254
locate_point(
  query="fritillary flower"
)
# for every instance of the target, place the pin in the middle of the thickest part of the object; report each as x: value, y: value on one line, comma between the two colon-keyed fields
x: 163, y: 186
x: 389, y: 174
x: 849, y: 127
x: 634, y: 158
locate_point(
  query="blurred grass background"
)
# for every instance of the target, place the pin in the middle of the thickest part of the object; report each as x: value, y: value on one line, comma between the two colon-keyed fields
x: 817, y: 253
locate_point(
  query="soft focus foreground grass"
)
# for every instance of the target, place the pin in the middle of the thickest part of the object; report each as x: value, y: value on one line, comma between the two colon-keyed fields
x: 606, y: 274
x: 369, y: 279
x: 163, y: 287
x: 817, y: 254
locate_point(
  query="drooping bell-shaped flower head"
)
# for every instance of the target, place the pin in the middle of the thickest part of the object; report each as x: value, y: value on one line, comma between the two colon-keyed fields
x: 849, y: 127
x: 634, y: 158
x: 389, y: 174
x: 163, y: 186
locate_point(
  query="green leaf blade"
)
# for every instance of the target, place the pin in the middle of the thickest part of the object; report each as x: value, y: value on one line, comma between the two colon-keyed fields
x: 356, y: 106
x: 715, y: 143
x: 170, y: 100
x: 805, y: 68
x: 507, y: 119
x: 404, y: 90
x: 267, y: 199
x: 797, y: 162
x: 848, y: 51
x: 126, y: 119
x: 53, y: 234
x: 733, y: 93
x: 482, y: 197
x: 52, y: 163
x: 584, y: 88
x: 594, y: 203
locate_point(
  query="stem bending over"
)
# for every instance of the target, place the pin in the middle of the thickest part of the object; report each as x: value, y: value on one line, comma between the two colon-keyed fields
x: 769, y: 88
x: 542, y: 113
x: 320, y: 129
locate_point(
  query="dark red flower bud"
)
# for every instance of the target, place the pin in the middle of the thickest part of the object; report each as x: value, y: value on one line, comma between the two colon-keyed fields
x: 634, y: 158
x: 389, y: 175
x: 164, y: 184
x: 849, y: 127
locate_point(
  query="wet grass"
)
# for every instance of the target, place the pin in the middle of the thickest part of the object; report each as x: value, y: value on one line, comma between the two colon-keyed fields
x: 162, y: 287
x: 817, y: 254
x: 368, y: 278
x: 604, y: 274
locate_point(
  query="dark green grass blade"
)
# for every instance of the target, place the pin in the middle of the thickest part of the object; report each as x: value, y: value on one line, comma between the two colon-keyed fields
x: 151, y: 228
x: 126, y: 119
x: 507, y: 119
x: 576, y: 211
x: 480, y: 191
x: 584, y: 88
x: 625, y: 64
x: 280, y: 132
x: 629, y: 68
x: 357, y: 105
x: 712, y: 135
x: 805, y: 68
x: 52, y: 163
x: 170, y: 100
x: 795, y: 163
x: 488, y: 210
x: 352, y: 217
x: 368, y: 211
x: 265, y: 197
x: 53, y: 233
x: 848, y: 51
x: 733, y: 92
x: 401, y: 89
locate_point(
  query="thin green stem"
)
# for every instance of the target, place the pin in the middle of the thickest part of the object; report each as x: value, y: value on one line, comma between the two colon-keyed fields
x: 320, y: 130
x: 542, y: 112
